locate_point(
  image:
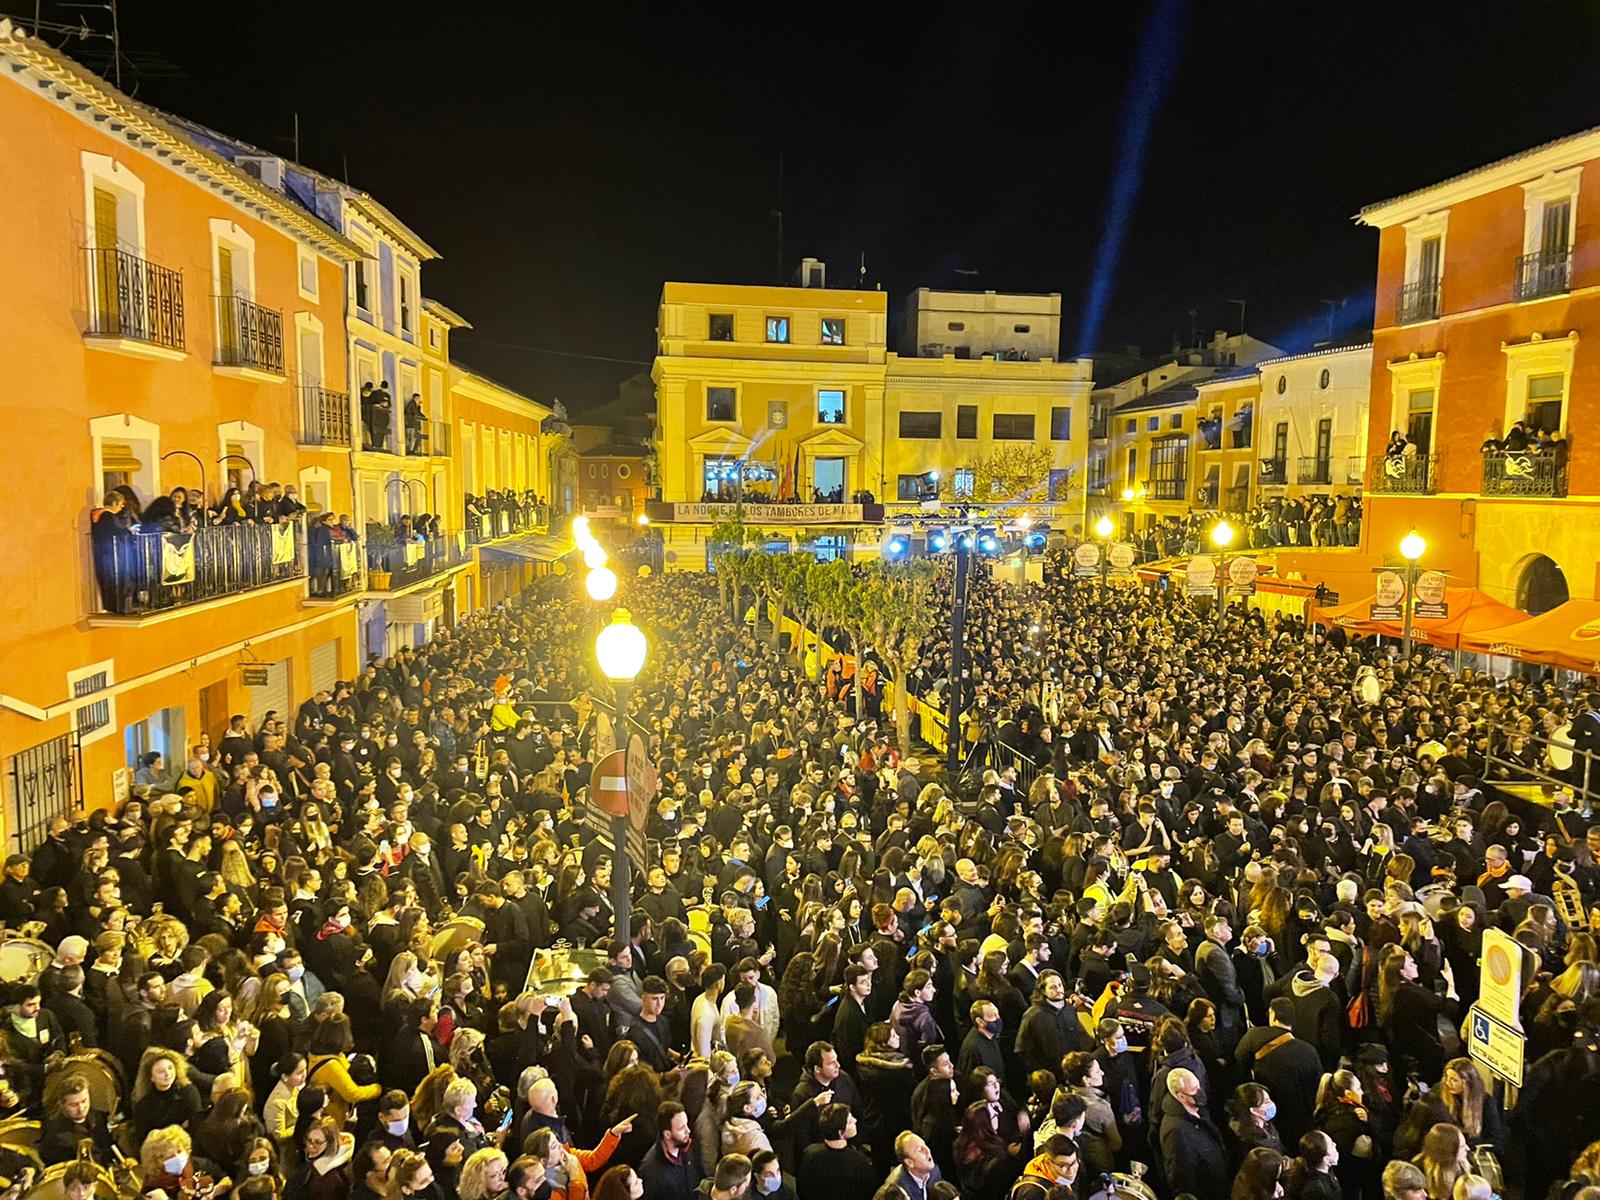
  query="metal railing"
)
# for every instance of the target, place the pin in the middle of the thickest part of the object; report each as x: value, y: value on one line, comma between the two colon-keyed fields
x: 1240, y: 435
x: 248, y: 335
x: 1355, y: 469
x: 412, y: 562
x: 1098, y: 487
x: 491, y: 525
x: 132, y: 298
x: 46, y: 781
x: 1544, y: 273
x: 324, y: 416
x: 1417, y: 301
x: 1314, y: 470
x: 1236, y: 499
x: 1533, y: 760
x: 1519, y: 473
x: 1169, y: 489
x: 152, y: 571
x: 1406, y: 474
x: 1273, y: 470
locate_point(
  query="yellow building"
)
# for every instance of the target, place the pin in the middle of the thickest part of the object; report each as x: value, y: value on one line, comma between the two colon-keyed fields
x: 1225, y: 440
x: 1152, y: 457
x: 787, y: 400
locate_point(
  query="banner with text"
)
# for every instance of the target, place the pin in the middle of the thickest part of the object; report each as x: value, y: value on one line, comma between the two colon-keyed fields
x: 769, y: 514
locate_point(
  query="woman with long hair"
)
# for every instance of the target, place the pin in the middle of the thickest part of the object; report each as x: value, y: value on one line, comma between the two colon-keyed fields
x: 618, y: 1183
x: 1251, y: 1110
x: 799, y: 1003
x: 1311, y: 1175
x: 1408, y: 1013
x: 165, y: 1163
x: 483, y: 1175
x: 1260, y: 1176
x: 162, y: 1093
x: 988, y: 1156
x: 410, y: 1177
x: 1342, y: 1115
x: 1470, y: 1106
x: 634, y: 1091
x: 1555, y: 1020
x: 1443, y: 1159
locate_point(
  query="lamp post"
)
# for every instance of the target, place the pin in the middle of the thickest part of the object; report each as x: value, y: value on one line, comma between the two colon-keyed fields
x: 965, y: 540
x: 1412, y: 548
x: 620, y: 649
x: 1103, y: 529
x: 1222, y: 538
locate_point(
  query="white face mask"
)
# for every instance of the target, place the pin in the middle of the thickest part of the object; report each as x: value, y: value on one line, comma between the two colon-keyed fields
x: 258, y: 1168
x: 176, y: 1163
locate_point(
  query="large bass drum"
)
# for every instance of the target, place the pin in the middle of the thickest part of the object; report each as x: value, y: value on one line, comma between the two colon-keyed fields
x: 49, y: 1185
x: 23, y: 958
x: 108, y: 1088
x: 453, y: 935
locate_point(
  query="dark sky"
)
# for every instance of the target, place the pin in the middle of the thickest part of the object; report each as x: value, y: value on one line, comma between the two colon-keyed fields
x: 567, y: 158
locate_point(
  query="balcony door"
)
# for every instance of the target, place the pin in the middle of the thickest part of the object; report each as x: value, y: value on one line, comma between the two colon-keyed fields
x: 1419, y: 420
x: 1555, y: 230
x: 108, y: 303
x: 228, y: 318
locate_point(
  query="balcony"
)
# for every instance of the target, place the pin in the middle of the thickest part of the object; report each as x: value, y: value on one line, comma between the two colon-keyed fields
x: 153, y: 571
x: 1169, y: 489
x: 134, y: 305
x: 1314, y: 471
x: 1098, y: 487
x: 1273, y: 472
x: 1239, y: 435
x: 1406, y: 475
x: 487, y: 525
x: 1236, y: 499
x: 1210, y: 434
x: 392, y: 568
x: 1417, y: 301
x: 249, y: 338
x: 1519, y: 473
x: 1355, y: 469
x: 1544, y: 273
x: 324, y: 416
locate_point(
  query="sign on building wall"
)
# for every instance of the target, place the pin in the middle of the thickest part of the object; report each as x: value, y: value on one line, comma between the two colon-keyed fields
x: 769, y: 514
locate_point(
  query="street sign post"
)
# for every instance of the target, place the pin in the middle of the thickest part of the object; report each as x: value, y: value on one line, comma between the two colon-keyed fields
x: 1200, y: 578
x: 608, y: 784
x: 1390, y: 596
x: 1496, y: 1045
x: 1500, y: 978
x: 1086, y: 561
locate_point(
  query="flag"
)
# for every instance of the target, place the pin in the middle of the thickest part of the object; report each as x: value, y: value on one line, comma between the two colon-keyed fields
x: 347, y: 559
x: 282, y: 544
x: 177, y: 559
x: 796, y: 476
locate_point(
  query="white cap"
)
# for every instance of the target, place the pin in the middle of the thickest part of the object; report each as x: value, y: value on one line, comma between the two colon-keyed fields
x: 1520, y: 882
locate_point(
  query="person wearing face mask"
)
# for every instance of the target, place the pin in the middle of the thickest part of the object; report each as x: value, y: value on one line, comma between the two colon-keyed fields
x: 742, y: 1132
x: 164, y: 1163
x: 1251, y: 1113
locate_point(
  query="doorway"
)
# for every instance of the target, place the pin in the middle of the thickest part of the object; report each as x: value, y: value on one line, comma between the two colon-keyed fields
x: 1542, y: 586
x: 827, y: 477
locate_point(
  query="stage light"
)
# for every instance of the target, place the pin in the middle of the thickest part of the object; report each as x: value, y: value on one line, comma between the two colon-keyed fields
x: 896, y: 547
x: 938, y: 541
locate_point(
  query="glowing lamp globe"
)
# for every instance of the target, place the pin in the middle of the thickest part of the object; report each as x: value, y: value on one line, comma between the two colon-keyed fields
x: 594, y: 556
x: 1127, y: 495
x: 1103, y: 528
x: 580, y: 530
x: 1222, y: 535
x: 1412, y: 547
x: 601, y: 583
x: 621, y: 648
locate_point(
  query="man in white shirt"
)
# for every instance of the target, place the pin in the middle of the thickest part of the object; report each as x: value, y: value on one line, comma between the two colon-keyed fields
x: 748, y: 970
x: 705, y: 1017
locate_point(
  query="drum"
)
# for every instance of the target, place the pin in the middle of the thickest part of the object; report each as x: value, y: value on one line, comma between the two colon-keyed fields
x: 108, y: 1088
x: 454, y: 934
x: 23, y: 958
x: 1116, y: 1185
x: 49, y: 1187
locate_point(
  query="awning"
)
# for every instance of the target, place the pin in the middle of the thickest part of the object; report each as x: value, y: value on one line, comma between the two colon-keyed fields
x: 533, y: 547
x: 1469, y: 612
x: 1568, y: 636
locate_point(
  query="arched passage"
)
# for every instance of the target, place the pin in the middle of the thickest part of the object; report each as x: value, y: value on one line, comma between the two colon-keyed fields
x: 1541, y: 586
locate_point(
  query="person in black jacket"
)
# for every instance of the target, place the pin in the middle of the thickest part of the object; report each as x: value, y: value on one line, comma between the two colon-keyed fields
x: 671, y: 1170
x: 1050, y: 1028
x: 850, y: 1015
x: 71, y: 1121
x: 1221, y: 982
x: 1192, y: 1152
x: 981, y: 1047
x: 411, y: 1053
x: 1409, y: 1013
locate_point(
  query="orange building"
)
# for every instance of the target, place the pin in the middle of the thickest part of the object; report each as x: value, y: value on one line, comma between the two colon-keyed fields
x: 159, y: 301
x: 1483, y: 361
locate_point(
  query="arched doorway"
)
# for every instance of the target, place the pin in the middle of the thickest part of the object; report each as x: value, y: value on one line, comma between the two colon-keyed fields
x: 1542, y: 585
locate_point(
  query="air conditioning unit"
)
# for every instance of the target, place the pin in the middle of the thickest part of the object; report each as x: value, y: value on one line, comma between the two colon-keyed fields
x: 812, y: 273
x: 268, y: 169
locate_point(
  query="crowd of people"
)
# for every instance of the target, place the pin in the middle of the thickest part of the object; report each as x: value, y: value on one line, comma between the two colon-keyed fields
x: 504, y: 511
x: 1332, y: 519
x: 1218, y: 943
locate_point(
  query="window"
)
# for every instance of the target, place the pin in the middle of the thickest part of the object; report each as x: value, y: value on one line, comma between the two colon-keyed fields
x: 913, y: 487
x: 1060, y: 423
x: 1419, y: 419
x: 1169, y: 468
x: 1545, y: 396
x: 1548, y: 205
x: 1132, y: 425
x: 405, y: 304
x: 363, y: 301
x: 830, y: 407
x: 961, y: 484
x: 1177, y: 421
x: 1324, y: 448
x: 957, y: 326
x: 1324, y: 379
x: 1153, y: 424
x: 722, y: 477
x: 308, y: 274
x: 1097, y: 473
x: 833, y: 331
x: 1283, y: 384
x: 1133, y: 466
x: 94, y: 715
x: 777, y: 329
x: 1419, y: 295
x: 720, y: 402
x: 1013, y: 427
x: 433, y: 339
x: 720, y: 327
x: 1021, y: 328
x: 966, y: 421
x: 1280, y: 441
x: 920, y: 424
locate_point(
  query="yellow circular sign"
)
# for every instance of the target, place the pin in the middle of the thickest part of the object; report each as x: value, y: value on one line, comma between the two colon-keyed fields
x: 559, y: 569
x: 644, y: 570
x: 1499, y: 963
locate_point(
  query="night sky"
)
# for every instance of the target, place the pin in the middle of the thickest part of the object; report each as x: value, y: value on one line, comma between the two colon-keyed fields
x: 567, y: 159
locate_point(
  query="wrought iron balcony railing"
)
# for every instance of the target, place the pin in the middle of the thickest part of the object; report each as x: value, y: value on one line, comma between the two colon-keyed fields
x: 151, y: 570
x: 1314, y: 470
x: 132, y: 298
x: 1417, y: 301
x: 248, y: 335
x: 1406, y: 474
x: 1273, y: 471
x: 324, y: 416
x: 1544, y: 273
x: 1519, y: 473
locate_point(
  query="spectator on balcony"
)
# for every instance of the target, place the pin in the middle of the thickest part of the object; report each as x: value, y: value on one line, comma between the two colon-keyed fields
x: 163, y: 516
x: 262, y: 503
x: 319, y: 546
x: 376, y: 406
x: 1491, y: 443
x: 231, y: 509
x: 1516, y: 439
x: 187, y: 508
x: 414, y: 416
x: 110, y: 528
x: 289, y: 506
x: 1398, y: 445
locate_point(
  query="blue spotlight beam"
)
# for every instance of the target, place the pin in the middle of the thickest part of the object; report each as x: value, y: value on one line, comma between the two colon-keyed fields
x: 1154, y: 65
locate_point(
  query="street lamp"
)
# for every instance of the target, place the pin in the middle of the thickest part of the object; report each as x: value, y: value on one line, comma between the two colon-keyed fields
x: 1102, y: 530
x: 1222, y: 538
x: 600, y: 583
x: 594, y: 556
x: 620, y: 649
x: 1412, y: 547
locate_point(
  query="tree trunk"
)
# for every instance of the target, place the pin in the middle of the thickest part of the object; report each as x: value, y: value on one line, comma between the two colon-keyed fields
x: 860, y: 696
x: 777, y: 619
x: 902, y: 711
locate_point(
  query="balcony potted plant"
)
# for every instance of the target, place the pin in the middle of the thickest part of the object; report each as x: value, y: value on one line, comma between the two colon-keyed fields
x: 380, y: 544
